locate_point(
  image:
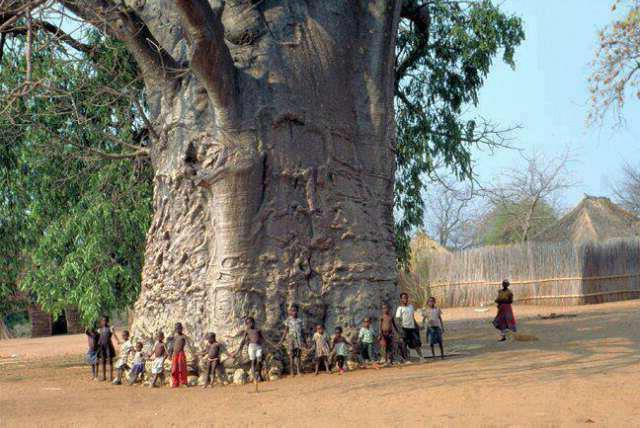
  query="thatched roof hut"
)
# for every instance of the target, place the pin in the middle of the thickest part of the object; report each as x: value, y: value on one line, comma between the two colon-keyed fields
x: 593, y: 219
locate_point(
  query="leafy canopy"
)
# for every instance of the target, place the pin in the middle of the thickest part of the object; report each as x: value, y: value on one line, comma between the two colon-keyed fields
x: 448, y: 65
x: 73, y: 214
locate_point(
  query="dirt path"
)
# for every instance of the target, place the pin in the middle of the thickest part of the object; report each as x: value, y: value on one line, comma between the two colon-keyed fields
x: 583, y: 368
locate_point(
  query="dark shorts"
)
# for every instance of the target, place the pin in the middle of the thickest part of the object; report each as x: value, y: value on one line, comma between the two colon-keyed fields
x: 137, y: 369
x: 386, y: 341
x: 106, y: 352
x: 412, y: 337
x: 295, y: 352
x: 434, y: 334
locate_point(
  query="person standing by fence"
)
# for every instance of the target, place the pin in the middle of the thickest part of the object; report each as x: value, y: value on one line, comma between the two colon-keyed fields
x: 505, y: 320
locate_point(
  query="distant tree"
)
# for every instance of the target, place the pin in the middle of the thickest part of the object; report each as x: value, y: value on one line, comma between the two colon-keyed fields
x: 503, y: 223
x: 451, y: 210
x: 627, y: 190
x: 526, y: 199
x: 616, y: 67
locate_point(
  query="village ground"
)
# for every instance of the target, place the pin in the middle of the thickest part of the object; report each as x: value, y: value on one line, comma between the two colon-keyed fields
x: 583, y: 369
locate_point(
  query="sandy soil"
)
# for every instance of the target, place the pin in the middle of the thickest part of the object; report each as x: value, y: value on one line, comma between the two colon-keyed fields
x: 585, y: 368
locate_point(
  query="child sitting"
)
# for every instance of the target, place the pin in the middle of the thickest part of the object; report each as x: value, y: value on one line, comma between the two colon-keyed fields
x: 212, y: 360
x: 339, y: 348
x: 366, y: 339
x: 137, y: 368
x: 122, y: 364
x: 321, y: 343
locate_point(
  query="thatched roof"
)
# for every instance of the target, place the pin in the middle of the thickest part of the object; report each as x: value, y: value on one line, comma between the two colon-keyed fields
x: 593, y: 219
x: 421, y: 243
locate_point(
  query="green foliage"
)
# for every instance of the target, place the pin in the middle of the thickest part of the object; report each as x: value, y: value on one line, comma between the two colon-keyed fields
x: 503, y: 224
x: 73, y: 214
x: 452, y: 64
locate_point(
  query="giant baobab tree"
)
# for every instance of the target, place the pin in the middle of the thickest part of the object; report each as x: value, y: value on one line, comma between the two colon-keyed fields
x: 274, y: 146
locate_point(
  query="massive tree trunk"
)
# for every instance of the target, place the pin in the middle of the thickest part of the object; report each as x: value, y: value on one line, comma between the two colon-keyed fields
x: 274, y: 164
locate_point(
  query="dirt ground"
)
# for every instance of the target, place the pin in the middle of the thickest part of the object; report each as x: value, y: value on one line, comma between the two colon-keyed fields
x: 584, y: 368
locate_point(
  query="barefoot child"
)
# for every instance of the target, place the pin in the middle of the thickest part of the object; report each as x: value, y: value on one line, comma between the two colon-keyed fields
x: 159, y: 354
x: 321, y: 343
x: 339, y: 348
x: 179, y: 358
x: 106, y: 351
x: 137, y: 368
x: 92, y: 352
x: 411, y: 333
x: 293, y: 333
x: 435, y: 326
x: 126, y: 348
x: 212, y: 360
x: 388, y: 329
x: 366, y: 339
x: 253, y: 339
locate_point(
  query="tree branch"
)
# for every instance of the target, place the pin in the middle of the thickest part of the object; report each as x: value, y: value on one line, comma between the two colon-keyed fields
x: 55, y: 31
x: 419, y: 15
x: 211, y: 60
x: 151, y: 57
x: 156, y: 64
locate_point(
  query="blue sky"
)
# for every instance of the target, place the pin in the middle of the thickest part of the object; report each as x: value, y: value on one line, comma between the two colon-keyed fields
x: 547, y: 94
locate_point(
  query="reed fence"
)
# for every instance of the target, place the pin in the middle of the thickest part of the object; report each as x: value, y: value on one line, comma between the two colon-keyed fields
x: 540, y: 273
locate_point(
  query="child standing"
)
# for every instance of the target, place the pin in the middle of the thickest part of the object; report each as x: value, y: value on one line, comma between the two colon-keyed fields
x: 158, y: 355
x: 411, y: 333
x: 212, y: 362
x: 137, y: 369
x: 122, y: 364
x: 322, y: 348
x: 366, y: 339
x: 293, y: 333
x: 92, y: 352
x: 339, y: 347
x: 179, y: 358
x: 387, y: 329
x: 435, y: 326
x: 106, y: 351
x: 253, y: 338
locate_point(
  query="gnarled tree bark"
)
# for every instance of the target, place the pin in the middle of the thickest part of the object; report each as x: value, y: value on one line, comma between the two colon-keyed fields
x: 274, y: 164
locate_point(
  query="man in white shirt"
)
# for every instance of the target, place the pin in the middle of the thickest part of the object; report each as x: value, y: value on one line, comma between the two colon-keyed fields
x: 405, y: 313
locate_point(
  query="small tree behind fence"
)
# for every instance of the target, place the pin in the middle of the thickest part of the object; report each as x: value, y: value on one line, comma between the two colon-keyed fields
x: 540, y: 273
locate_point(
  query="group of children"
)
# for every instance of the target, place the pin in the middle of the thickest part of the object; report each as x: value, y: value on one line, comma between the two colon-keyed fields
x: 328, y: 350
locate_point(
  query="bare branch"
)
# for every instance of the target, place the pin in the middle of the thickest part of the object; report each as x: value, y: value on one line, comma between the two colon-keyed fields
x: 211, y: 60
x: 523, y: 190
x: 56, y: 31
x: 627, y: 191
